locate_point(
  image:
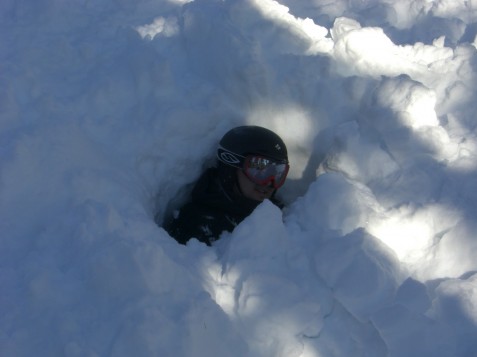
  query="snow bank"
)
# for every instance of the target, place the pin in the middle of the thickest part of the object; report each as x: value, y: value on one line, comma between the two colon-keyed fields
x: 110, y: 109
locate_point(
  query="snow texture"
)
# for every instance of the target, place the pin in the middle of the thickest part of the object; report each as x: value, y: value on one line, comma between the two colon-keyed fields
x: 110, y: 109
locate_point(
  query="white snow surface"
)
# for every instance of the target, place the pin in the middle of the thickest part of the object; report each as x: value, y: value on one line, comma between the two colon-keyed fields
x: 109, y: 109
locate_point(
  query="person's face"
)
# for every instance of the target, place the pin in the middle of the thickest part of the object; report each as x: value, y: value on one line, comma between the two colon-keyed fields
x: 252, y: 190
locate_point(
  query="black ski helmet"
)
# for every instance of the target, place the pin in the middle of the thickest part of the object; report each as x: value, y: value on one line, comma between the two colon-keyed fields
x: 241, y: 141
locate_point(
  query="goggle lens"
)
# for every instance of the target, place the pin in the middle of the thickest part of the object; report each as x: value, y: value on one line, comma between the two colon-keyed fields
x: 264, y: 171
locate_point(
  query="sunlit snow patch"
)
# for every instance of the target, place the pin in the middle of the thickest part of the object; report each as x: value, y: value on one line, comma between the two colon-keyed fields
x: 304, y: 29
x: 413, y: 232
x: 166, y: 27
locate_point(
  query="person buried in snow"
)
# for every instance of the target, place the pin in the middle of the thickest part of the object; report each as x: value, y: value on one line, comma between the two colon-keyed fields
x: 252, y: 164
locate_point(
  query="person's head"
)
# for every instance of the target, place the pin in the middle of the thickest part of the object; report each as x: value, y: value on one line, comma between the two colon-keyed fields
x: 253, y: 160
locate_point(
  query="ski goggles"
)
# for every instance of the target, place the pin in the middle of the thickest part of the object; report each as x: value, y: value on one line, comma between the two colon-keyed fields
x: 263, y: 171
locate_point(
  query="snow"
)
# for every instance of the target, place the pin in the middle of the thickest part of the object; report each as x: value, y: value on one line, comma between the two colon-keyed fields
x: 110, y: 109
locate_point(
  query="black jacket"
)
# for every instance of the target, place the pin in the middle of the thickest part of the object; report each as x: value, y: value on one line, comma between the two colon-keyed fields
x: 210, y: 211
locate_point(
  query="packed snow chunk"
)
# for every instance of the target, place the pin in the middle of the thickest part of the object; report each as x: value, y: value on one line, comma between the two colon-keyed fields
x: 413, y: 128
x: 358, y: 158
x: 455, y: 254
x: 369, y: 52
x: 261, y: 235
x: 407, y: 333
x: 465, y: 159
x: 363, y: 51
x: 463, y: 10
x: 414, y: 296
x: 363, y: 273
x: 283, y: 31
x: 257, y: 267
x: 406, y: 13
x: 344, y: 335
x: 334, y: 202
x: 160, y: 26
x: 414, y: 103
x: 421, y: 334
x: 456, y: 299
x: 455, y: 305
x: 343, y: 26
x: 457, y: 94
